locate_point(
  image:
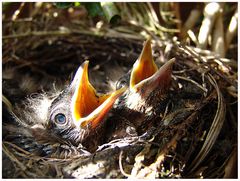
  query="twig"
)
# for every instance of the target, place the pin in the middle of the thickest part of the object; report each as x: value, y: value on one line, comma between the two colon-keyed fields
x: 190, y: 22
x: 13, y: 158
x: 111, y: 33
x: 37, y: 33
x: 153, y: 20
x: 215, y: 128
x: 231, y: 165
x: 18, y: 11
x: 121, y: 166
x: 192, y: 81
x: 196, y: 55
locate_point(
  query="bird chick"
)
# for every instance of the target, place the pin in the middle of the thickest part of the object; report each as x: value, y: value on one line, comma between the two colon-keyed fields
x: 78, y: 113
x: 146, y: 96
x: 57, y: 126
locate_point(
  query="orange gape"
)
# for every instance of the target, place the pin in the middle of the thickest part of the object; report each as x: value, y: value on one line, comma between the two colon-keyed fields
x: 145, y: 75
x: 144, y: 66
x: 86, y: 98
x: 87, y: 106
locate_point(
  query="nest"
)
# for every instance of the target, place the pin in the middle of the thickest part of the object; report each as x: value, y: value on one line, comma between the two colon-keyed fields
x: 193, y: 140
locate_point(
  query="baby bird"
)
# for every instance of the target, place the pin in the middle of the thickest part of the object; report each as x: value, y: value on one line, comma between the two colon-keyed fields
x: 146, y: 97
x: 78, y: 118
x: 78, y: 113
x: 63, y: 124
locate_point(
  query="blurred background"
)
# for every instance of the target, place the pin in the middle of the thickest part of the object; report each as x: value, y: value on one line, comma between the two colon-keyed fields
x: 46, y: 37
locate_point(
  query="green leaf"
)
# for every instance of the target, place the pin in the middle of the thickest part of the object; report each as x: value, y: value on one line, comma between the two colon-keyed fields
x: 77, y: 4
x: 64, y: 4
x: 93, y: 8
x: 111, y: 12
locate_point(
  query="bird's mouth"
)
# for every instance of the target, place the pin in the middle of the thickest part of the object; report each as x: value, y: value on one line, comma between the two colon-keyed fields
x: 146, y: 77
x: 89, y: 108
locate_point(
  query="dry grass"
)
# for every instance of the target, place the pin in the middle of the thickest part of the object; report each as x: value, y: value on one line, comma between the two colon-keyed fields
x: 193, y: 139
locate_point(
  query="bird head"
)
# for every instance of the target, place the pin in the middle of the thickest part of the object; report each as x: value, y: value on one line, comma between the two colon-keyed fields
x: 147, y: 84
x: 79, y: 110
x: 145, y: 99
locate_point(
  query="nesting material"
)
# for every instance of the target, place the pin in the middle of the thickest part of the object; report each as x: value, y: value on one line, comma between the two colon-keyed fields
x: 195, y: 138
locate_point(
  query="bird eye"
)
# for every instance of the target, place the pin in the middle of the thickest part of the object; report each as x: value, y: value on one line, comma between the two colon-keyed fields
x: 123, y: 81
x: 120, y: 84
x: 60, y: 118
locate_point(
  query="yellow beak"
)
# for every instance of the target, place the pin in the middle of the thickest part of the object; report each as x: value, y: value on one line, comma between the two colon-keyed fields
x: 144, y: 67
x: 160, y: 81
x: 145, y: 76
x: 89, y: 108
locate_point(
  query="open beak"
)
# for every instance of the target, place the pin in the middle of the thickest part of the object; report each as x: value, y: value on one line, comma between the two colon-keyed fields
x: 145, y: 76
x: 144, y: 67
x: 160, y: 81
x: 89, y: 108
